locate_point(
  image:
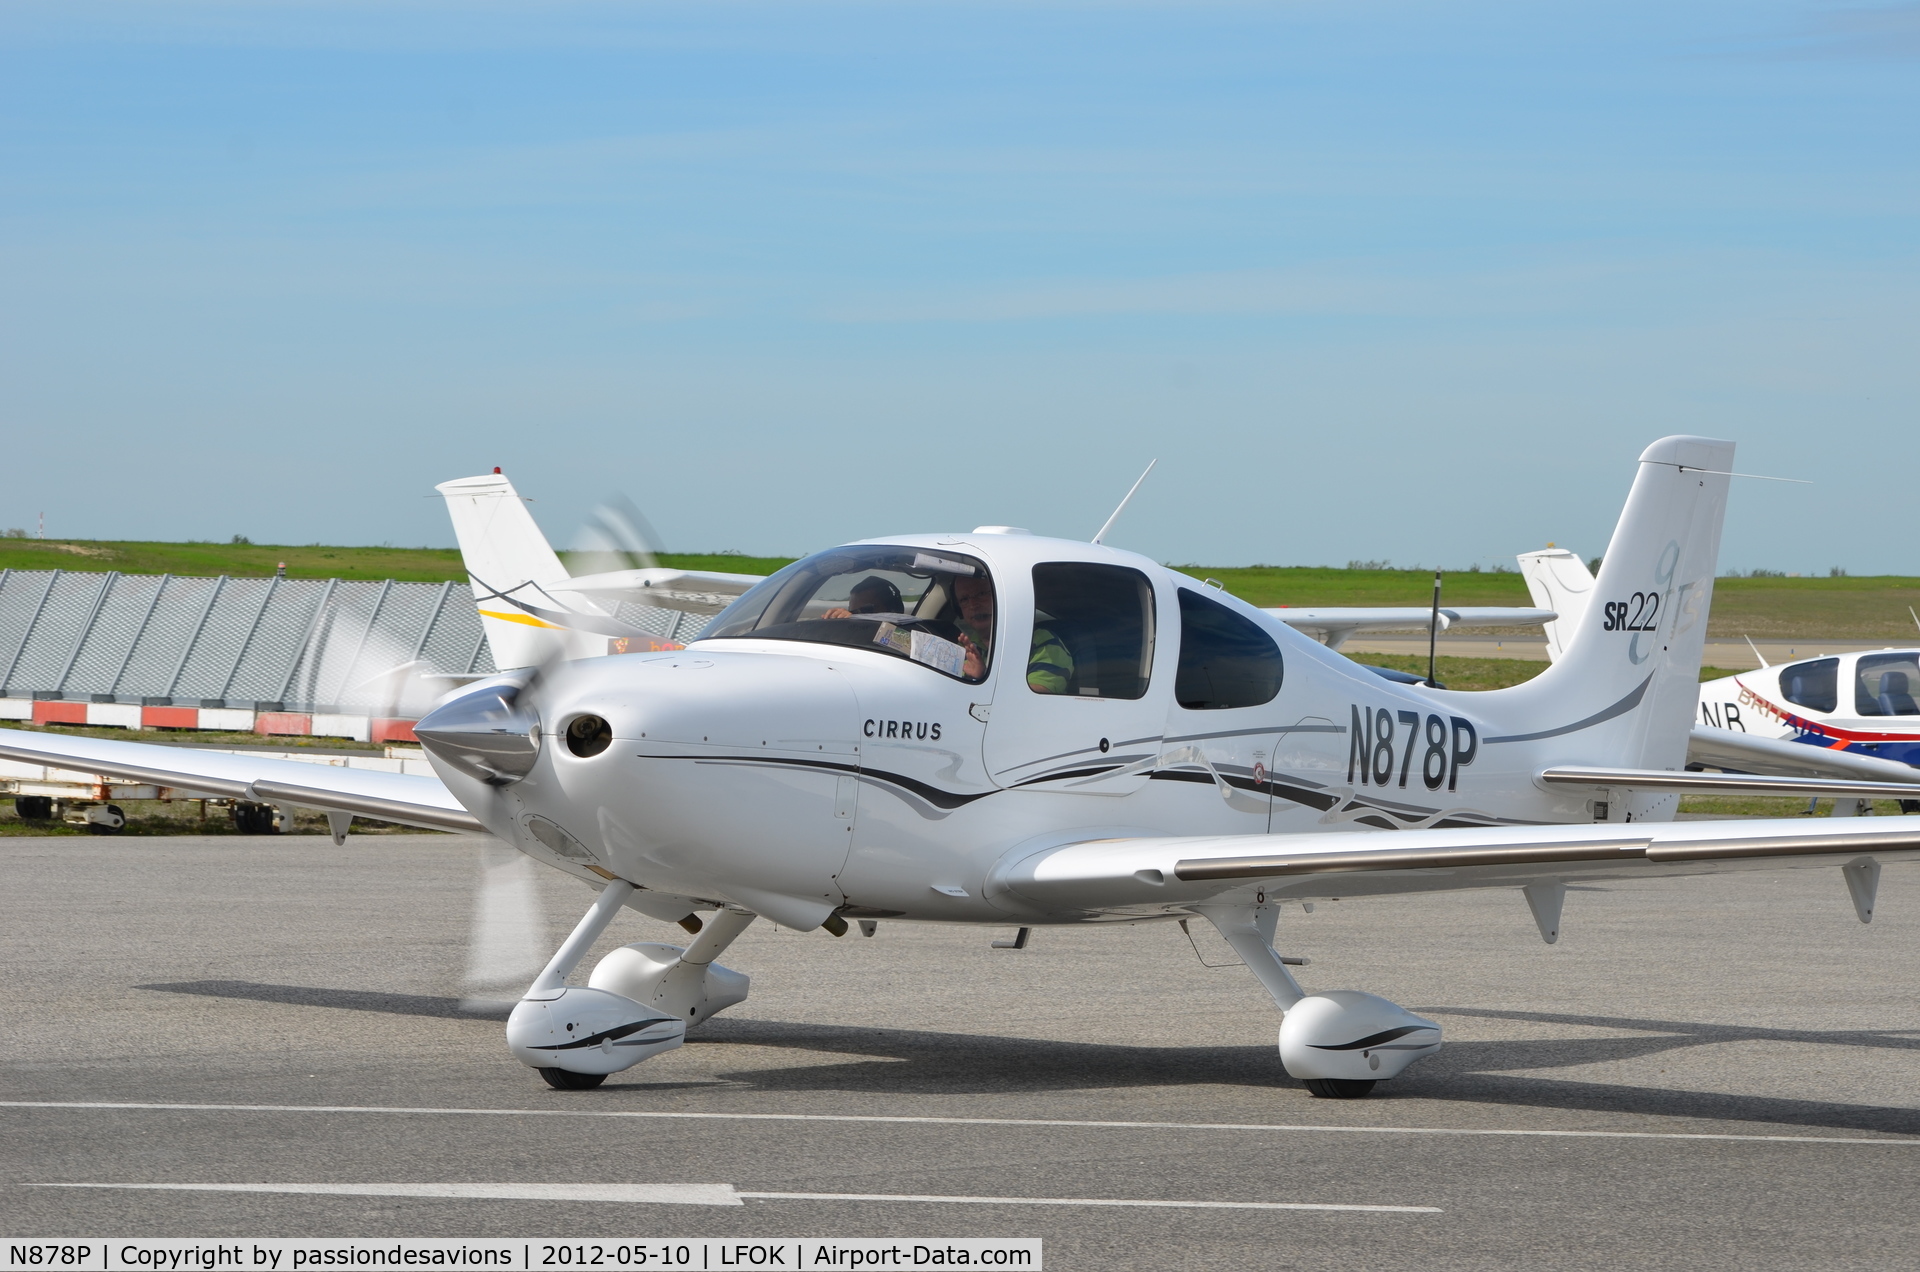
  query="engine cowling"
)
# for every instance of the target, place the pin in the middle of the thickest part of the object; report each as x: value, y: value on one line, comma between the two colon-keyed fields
x: 1347, y: 1035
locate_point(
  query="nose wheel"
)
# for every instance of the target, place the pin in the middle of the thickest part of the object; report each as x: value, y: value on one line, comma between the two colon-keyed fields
x: 566, y: 1080
x: 1325, y: 1088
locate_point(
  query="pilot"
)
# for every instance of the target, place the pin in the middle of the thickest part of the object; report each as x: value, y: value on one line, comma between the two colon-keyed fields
x: 871, y: 595
x: 1049, y: 665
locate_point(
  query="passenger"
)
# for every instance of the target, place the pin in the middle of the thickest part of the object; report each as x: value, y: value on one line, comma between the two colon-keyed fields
x: 1049, y: 664
x: 871, y: 595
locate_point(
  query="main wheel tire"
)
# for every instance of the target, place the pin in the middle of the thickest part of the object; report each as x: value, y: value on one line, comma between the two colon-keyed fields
x: 568, y: 1080
x: 33, y: 807
x: 1333, y: 1088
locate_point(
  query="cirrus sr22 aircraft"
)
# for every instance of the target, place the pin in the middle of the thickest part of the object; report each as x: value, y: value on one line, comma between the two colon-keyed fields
x: 1000, y: 729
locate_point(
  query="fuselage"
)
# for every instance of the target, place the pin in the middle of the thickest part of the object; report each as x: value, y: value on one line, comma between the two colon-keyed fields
x: 1862, y: 702
x: 875, y: 776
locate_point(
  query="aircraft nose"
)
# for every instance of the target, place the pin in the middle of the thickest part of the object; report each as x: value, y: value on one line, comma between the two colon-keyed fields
x: 488, y: 734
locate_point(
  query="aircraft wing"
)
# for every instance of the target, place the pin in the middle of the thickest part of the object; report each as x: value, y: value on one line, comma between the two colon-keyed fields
x: 1158, y: 876
x: 691, y: 591
x: 1739, y: 752
x: 411, y: 800
x: 1333, y: 626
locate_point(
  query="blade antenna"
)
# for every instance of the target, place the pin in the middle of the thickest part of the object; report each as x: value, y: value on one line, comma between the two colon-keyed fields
x: 1915, y: 617
x: 1764, y: 664
x: 1102, y: 534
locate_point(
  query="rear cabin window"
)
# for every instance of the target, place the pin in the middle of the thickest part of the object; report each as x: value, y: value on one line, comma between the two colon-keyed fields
x: 1092, y: 631
x: 1814, y: 685
x: 1886, y: 684
x: 1226, y: 659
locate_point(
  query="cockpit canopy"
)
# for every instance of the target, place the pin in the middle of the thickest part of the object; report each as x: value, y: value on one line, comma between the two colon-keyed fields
x: 932, y: 607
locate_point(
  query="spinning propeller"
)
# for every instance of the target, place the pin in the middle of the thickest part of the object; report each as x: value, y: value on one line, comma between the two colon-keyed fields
x: 496, y: 732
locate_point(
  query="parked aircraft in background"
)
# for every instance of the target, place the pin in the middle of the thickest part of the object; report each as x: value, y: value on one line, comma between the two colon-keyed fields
x: 1842, y: 715
x: 999, y: 729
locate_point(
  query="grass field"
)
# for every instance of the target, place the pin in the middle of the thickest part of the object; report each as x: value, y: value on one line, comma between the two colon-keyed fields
x: 1868, y: 608
x: 308, y: 561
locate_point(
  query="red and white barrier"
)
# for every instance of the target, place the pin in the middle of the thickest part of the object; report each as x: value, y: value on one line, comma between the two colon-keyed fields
x: 124, y: 715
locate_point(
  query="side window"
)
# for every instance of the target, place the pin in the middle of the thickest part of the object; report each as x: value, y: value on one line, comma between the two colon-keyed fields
x: 1886, y: 685
x: 1092, y: 631
x: 1226, y: 660
x: 1814, y: 685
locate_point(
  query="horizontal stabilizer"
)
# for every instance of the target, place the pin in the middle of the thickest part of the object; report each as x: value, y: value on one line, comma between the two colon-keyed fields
x: 1732, y: 783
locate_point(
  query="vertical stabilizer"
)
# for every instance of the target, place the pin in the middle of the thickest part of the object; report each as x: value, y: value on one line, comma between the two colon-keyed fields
x: 1625, y: 688
x: 1559, y: 581
x: 507, y: 558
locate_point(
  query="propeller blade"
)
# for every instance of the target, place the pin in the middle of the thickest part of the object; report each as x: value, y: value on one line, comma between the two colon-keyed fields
x: 616, y: 536
x: 509, y: 942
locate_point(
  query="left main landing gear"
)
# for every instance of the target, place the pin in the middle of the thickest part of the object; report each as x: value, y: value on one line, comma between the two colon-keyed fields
x: 1339, y: 1042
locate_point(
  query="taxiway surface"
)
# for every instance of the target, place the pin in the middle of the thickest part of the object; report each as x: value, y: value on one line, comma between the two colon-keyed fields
x: 1707, y: 1073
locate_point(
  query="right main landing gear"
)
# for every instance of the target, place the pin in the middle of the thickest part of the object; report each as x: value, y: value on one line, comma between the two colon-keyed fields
x: 1340, y: 1042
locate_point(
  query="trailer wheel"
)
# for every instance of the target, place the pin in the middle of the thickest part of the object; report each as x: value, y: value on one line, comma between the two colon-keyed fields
x: 106, y: 819
x: 33, y: 807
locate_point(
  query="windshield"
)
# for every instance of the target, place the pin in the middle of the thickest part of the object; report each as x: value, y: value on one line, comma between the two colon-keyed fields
x: 928, y: 606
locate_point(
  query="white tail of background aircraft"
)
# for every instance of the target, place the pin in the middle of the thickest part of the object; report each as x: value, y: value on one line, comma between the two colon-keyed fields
x: 512, y: 567
x: 1559, y: 581
x: 533, y: 610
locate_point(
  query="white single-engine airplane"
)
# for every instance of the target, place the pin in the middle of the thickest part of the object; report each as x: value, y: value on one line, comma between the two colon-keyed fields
x: 1000, y: 729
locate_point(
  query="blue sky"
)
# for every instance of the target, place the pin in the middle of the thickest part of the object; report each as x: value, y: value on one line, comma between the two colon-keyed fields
x: 1371, y: 280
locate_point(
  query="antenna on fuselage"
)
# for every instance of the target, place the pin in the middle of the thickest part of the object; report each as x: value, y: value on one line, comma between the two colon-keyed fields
x: 1102, y: 533
x: 1433, y: 633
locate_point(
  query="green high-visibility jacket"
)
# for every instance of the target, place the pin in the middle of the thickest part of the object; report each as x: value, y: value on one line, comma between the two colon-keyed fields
x: 1049, y: 666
